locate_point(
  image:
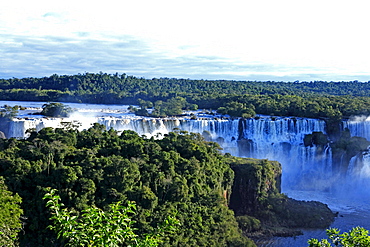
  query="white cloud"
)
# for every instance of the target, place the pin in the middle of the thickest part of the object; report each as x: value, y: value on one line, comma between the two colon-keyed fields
x: 303, y: 38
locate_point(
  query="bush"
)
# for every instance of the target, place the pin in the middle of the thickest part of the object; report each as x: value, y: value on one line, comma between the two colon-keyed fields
x: 248, y: 223
x: 95, y: 227
x: 358, y: 236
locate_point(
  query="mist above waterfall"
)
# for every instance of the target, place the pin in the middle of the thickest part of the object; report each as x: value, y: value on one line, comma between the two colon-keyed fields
x: 361, y: 118
x: 358, y: 126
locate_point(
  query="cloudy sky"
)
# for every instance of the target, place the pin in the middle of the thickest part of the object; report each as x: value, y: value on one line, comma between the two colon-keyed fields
x: 280, y: 40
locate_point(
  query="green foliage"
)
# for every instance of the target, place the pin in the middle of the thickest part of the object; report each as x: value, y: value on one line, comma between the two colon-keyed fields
x: 248, y: 223
x: 236, y: 109
x: 96, y: 168
x: 302, y: 99
x: 10, y: 213
x: 357, y: 236
x: 171, y: 107
x: 56, y: 110
x: 258, y: 180
x: 95, y: 227
x: 145, y: 104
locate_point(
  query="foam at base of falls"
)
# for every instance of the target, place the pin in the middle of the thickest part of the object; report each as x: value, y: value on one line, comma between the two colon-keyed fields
x: 358, y: 174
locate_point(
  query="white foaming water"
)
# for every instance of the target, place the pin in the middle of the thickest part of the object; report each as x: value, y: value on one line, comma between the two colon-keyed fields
x: 358, y: 178
x: 358, y: 126
x: 225, y: 132
x: 281, y: 139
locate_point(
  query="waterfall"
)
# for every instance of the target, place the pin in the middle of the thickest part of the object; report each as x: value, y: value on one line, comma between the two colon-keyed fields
x: 282, y: 129
x: 359, y: 169
x: 358, y: 177
x: 275, y: 138
x: 358, y: 126
x: 223, y: 131
x: 281, y: 139
x: 19, y: 126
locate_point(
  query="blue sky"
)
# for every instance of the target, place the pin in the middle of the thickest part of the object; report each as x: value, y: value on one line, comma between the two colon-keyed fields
x: 283, y: 40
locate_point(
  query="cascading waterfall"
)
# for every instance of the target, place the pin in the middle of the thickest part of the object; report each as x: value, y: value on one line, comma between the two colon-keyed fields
x: 357, y: 180
x: 19, y: 126
x: 281, y: 139
x: 358, y: 176
x: 358, y: 126
x: 275, y: 138
x: 223, y: 131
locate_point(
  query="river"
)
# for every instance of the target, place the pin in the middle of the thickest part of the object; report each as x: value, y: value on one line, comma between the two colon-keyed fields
x: 352, y: 212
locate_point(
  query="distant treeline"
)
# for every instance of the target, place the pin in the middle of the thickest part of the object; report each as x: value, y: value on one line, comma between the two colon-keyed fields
x: 237, y: 98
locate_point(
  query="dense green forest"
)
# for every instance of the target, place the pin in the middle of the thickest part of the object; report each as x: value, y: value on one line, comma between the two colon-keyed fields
x: 332, y: 100
x: 180, y: 176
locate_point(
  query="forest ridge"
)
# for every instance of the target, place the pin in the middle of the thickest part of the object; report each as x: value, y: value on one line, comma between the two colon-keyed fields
x: 333, y: 100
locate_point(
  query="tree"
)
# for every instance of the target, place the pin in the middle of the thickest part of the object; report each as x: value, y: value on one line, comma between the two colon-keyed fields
x: 95, y: 227
x: 10, y: 213
x: 171, y: 107
x: 357, y: 236
x: 237, y: 109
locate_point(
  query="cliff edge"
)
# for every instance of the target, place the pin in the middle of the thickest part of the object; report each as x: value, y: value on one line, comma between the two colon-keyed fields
x: 256, y: 196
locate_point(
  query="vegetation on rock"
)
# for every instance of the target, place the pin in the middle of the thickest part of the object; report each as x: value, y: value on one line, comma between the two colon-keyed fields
x: 56, y: 110
x: 345, y: 148
x: 256, y: 194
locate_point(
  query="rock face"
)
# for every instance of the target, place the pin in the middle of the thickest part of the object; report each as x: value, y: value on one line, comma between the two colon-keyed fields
x: 254, y: 182
x: 256, y: 193
x: 345, y: 148
x: 301, y: 214
x: 2, y: 135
